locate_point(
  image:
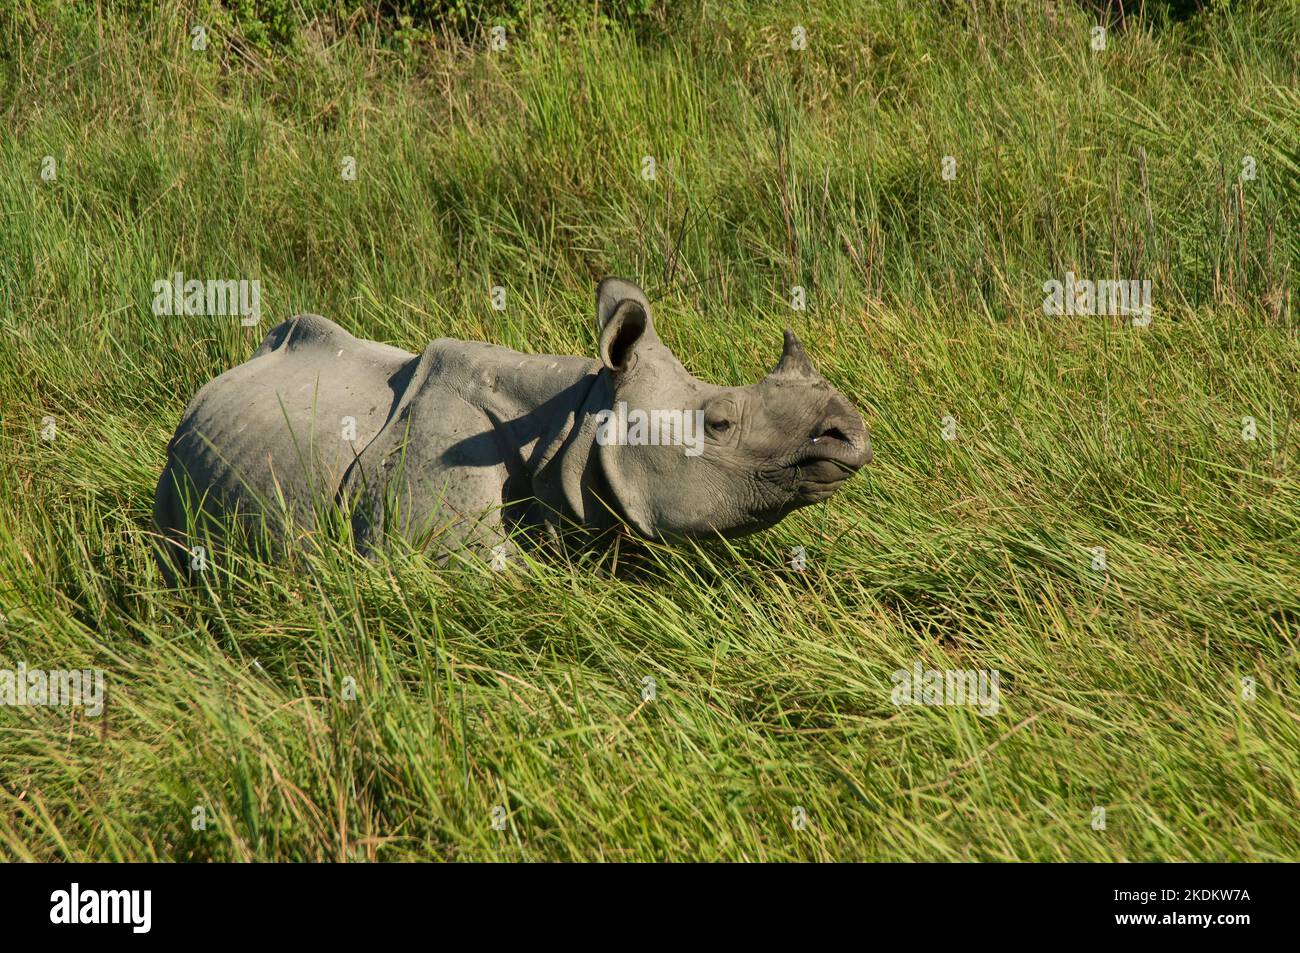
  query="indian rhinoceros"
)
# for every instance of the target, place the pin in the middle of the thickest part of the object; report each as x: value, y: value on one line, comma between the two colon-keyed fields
x: 471, y: 445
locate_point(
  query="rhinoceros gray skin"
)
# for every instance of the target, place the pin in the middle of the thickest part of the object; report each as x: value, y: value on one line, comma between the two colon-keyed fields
x: 471, y: 444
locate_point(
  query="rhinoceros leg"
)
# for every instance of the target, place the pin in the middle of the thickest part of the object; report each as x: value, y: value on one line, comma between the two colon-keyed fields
x: 170, y: 543
x: 435, y: 476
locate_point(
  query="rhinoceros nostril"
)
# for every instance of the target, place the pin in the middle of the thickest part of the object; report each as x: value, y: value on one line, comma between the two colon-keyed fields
x: 831, y: 433
x: 841, y: 441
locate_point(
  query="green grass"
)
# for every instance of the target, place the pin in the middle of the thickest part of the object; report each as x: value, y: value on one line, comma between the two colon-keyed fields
x: 1120, y: 689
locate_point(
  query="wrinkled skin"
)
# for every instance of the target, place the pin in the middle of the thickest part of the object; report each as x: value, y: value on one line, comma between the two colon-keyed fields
x: 469, y: 444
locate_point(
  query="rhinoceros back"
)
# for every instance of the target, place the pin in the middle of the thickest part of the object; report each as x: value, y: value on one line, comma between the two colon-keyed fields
x: 275, y: 435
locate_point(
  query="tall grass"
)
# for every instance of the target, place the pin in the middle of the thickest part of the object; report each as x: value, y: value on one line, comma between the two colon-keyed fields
x: 521, y: 693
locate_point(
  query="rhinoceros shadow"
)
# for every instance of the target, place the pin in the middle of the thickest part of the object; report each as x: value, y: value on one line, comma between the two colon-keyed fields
x: 520, y: 445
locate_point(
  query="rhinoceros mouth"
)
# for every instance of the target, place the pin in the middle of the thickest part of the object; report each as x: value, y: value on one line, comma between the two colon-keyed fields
x: 825, y: 470
x: 818, y: 468
x: 836, y: 459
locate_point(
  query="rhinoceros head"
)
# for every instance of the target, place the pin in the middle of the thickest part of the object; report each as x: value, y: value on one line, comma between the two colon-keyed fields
x: 743, y: 458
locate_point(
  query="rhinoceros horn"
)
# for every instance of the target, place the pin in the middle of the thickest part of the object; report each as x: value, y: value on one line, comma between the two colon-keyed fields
x: 794, y: 361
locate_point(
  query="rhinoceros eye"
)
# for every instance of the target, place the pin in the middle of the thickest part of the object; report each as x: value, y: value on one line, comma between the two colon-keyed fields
x: 720, y: 418
x: 719, y: 426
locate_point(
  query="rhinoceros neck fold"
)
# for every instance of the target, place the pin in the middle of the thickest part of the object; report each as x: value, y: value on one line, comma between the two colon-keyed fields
x: 564, y: 465
x: 542, y: 410
x: 532, y: 402
x: 571, y: 476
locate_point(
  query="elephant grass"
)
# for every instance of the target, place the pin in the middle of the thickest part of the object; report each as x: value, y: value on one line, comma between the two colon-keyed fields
x: 333, y: 708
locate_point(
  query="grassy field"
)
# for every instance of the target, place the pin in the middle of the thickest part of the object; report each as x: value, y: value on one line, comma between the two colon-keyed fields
x: 501, y: 715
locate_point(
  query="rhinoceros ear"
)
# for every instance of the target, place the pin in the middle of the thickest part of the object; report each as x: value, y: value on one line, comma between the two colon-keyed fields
x: 611, y: 292
x: 624, y: 315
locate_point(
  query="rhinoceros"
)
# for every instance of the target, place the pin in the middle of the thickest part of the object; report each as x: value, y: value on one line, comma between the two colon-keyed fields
x: 471, y: 445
